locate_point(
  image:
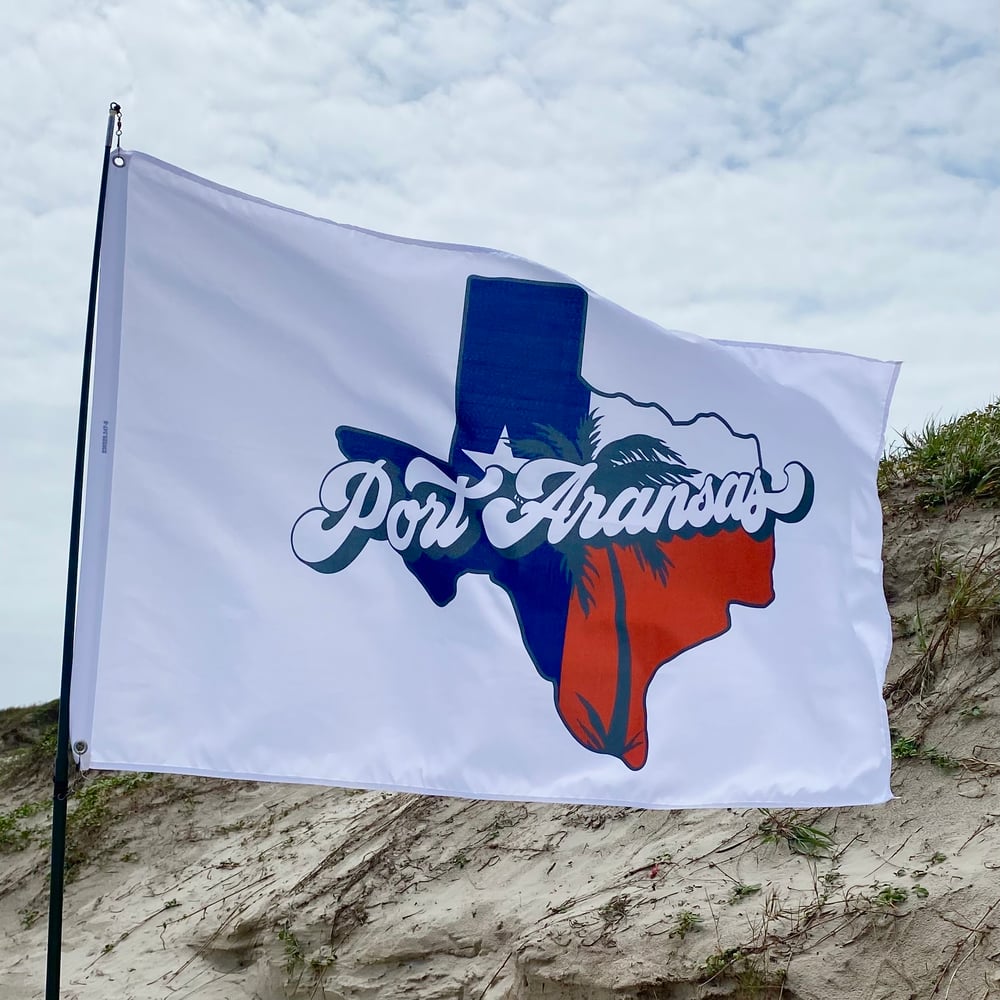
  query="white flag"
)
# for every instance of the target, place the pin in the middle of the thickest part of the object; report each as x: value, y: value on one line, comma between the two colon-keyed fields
x: 376, y: 512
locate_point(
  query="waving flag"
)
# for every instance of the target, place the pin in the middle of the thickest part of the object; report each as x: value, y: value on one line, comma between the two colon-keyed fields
x: 370, y: 511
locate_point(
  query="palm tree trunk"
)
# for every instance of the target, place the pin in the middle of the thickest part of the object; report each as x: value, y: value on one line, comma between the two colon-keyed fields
x: 618, y: 725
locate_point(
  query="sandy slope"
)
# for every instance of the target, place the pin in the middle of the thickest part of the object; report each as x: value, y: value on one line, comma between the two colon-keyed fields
x: 202, y: 888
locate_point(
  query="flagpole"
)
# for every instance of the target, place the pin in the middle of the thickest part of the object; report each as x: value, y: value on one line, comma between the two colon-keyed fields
x: 60, y: 772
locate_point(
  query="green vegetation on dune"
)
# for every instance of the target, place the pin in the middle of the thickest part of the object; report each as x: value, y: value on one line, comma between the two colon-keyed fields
x: 27, y: 744
x: 15, y: 835
x: 23, y: 728
x: 98, y: 805
x: 948, y: 459
x: 27, y: 749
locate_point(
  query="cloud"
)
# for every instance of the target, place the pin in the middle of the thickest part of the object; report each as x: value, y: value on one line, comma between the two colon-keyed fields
x: 822, y: 173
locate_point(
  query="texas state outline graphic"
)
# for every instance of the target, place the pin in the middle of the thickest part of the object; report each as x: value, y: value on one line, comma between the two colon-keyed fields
x: 621, y: 536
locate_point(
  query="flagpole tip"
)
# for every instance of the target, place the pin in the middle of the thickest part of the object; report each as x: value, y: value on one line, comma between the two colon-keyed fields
x: 115, y: 108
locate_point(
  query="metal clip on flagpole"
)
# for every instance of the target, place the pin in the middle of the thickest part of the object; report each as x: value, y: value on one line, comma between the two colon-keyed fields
x: 118, y: 160
x: 60, y: 773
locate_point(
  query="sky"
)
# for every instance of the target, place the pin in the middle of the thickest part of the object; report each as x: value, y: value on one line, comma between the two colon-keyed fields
x: 822, y: 173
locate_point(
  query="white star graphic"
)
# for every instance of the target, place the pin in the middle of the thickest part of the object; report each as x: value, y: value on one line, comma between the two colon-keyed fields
x: 501, y: 457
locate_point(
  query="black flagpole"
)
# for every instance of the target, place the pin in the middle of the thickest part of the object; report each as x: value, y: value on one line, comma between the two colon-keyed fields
x: 60, y: 773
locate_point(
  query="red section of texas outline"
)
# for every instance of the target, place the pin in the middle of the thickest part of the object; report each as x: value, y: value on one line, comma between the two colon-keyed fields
x: 708, y: 574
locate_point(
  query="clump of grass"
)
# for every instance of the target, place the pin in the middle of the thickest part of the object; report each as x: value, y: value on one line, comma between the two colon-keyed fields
x: 910, y: 748
x: 294, y: 956
x: 799, y: 837
x: 945, y: 761
x: 971, y: 592
x: 754, y: 981
x: 720, y: 962
x: 746, y: 970
x: 905, y: 747
x: 687, y: 922
x: 890, y: 896
x: 949, y: 459
x: 742, y: 891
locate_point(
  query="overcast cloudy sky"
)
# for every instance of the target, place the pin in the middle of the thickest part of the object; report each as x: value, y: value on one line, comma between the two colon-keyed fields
x: 820, y: 173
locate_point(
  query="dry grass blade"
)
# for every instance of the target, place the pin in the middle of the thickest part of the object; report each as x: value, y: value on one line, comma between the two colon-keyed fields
x: 971, y: 591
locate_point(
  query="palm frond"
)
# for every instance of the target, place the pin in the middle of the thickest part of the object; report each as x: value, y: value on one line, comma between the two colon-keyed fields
x: 580, y: 572
x: 612, y: 479
x: 651, y: 556
x: 597, y: 729
x: 633, y: 743
x: 641, y: 448
x: 561, y: 444
x: 531, y: 448
x: 640, y: 460
x: 588, y: 435
x: 550, y: 442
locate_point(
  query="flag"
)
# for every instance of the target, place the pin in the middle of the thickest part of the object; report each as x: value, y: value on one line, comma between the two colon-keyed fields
x: 371, y: 511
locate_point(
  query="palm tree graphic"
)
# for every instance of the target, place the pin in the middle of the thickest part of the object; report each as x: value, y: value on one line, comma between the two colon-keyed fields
x: 635, y: 462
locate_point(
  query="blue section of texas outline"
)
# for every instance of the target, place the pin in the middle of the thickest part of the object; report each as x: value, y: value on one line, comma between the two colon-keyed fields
x: 518, y: 368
